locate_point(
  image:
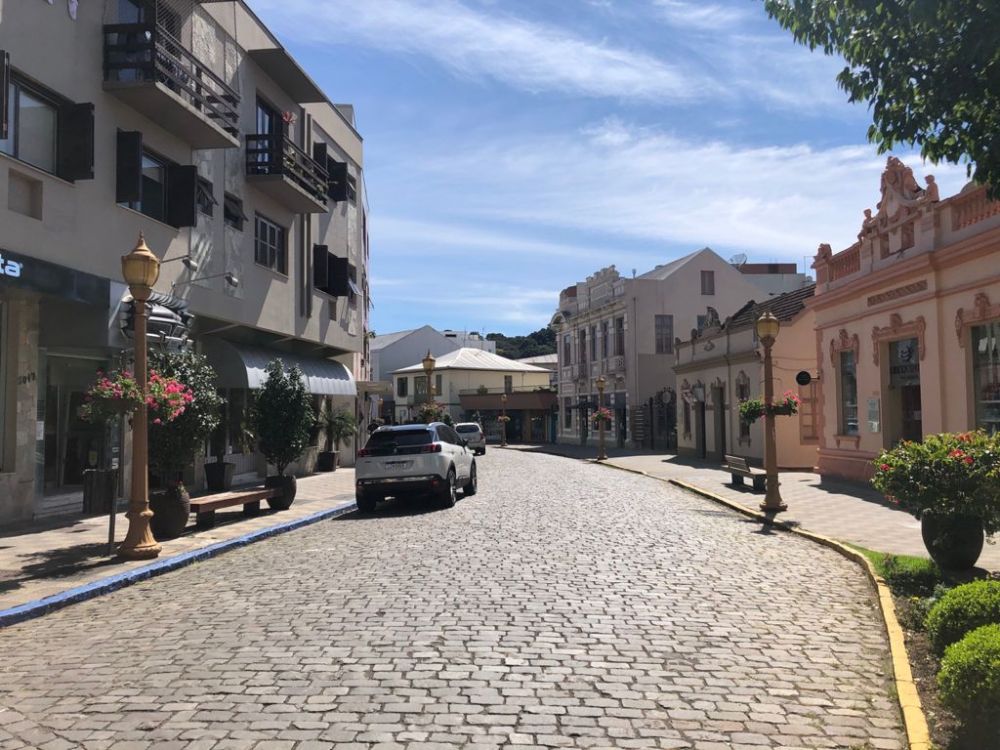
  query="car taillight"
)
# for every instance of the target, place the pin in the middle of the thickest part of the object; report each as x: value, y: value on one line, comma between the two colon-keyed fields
x: 364, y: 452
x: 432, y: 448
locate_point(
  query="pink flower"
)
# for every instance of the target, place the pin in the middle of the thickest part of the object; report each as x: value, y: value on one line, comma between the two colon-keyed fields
x: 957, y: 453
x: 885, y: 467
x: 157, y: 421
x: 968, y: 460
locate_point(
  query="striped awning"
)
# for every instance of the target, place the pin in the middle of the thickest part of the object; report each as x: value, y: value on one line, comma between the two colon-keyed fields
x: 241, y: 366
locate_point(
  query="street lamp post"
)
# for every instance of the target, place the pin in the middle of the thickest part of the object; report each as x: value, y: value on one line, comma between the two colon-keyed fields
x: 140, y: 269
x: 503, y: 420
x: 767, y: 332
x: 601, y: 452
x: 428, y: 363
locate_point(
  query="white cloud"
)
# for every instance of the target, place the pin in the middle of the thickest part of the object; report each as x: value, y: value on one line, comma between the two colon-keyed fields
x: 474, y: 43
x: 702, y: 16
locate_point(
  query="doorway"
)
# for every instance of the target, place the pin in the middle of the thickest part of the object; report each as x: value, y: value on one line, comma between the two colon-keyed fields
x: 904, y: 388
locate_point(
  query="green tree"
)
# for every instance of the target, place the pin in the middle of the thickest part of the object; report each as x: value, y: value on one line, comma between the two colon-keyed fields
x: 542, y: 341
x: 174, y: 445
x: 283, y: 416
x: 929, y: 69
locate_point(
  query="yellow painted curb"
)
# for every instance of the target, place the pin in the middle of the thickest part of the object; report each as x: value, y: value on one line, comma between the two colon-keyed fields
x: 914, y: 722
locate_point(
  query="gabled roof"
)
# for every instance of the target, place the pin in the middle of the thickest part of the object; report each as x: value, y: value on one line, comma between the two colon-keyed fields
x: 474, y: 359
x: 668, y: 269
x: 784, y: 307
x: 380, y: 342
x: 541, y: 359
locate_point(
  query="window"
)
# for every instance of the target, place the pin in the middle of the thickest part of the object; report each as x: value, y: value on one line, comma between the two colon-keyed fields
x: 567, y: 413
x: 808, y: 428
x: 619, y: 337
x: 269, y: 247
x: 848, y: 394
x: 150, y: 184
x: 583, y: 346
x: 232, y: 211
x: 593, y: 343
x: 206, y: 200
x: 664, y: 334
x: 702, y: 319
x: 268, y: 120
x: 420, y: 386
x: 352, y: 286
x: 402, y: 387
x: 438, y: 385
x: 153, y: 200
x: 508, y: 383
x: 567, y: 355
x: 986, y: 375
x: 32, y: 126
x: 708, y: 282
x: 604, y: 340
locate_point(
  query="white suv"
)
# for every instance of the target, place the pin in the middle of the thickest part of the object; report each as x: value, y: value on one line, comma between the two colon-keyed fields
x: 473, y: 434
x: 414, y: 458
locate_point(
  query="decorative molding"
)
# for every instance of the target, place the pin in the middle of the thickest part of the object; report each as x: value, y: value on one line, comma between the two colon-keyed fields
x: 982, y: 311
x: 900, y: 291
x: 852, y: 440
x: 843, y: 343
x: 897, y: 329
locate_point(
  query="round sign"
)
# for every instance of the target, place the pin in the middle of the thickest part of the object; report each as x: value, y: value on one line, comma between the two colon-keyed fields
x: 803, y: 377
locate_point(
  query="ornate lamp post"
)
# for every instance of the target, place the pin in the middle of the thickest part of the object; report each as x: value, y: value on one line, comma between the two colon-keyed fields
x: 767, y: 332
x: 601, y: 452
x: 140, y: 269
x: 428, y: 363
x: 503, y: 420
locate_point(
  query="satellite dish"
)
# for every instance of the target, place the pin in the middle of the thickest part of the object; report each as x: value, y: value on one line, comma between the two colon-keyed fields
x: 738, y: 260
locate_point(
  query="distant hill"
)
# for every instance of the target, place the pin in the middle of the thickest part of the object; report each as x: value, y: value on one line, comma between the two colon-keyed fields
x: 542, y: 341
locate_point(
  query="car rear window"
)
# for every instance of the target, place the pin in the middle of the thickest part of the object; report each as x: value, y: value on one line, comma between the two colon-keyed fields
x: 467, y: 428
x: 401, y: 438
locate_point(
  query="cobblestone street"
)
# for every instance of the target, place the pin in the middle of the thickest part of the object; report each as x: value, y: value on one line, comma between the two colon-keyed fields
x: 565, y: 605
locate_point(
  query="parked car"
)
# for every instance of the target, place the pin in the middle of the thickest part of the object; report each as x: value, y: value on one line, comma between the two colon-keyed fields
x: 474, y: 436
x: 411, y: 459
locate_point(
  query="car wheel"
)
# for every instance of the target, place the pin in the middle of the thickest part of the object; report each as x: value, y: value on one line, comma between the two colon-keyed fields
x: 482, y: 451
x: 366, y: 503
x: 447, y: 496
x: 472, y: 486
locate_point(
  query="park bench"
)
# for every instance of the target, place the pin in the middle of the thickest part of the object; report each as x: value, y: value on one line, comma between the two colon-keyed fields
x: 206, y: 506
x: 739, y: 467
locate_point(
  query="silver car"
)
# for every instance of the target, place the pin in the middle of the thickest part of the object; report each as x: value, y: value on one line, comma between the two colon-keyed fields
x: 473, y: 434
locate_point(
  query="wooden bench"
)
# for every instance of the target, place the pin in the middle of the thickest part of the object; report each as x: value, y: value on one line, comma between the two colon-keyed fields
x: 206, y: 506
x: 739, y: 467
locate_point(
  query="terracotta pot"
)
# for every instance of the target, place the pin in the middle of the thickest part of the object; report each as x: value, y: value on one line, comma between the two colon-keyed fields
x: 953, y: 541
x: 171, y: 509
x: 288, y: 487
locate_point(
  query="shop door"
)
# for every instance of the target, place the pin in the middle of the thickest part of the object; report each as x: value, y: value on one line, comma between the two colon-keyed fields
x: 912, y: 426
x: 904, y: 382
x: 71, y: 444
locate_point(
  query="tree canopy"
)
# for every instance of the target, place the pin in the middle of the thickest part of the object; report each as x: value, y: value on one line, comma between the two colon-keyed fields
x: 542, y: 341
x: 930, y: 71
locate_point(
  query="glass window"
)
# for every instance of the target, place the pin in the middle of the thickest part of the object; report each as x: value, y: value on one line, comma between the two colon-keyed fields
x: 986, y: 375
x: 808, y: 427
x: 848, y: 394
x: 31, y: 134
x: 420, y: 386
x: 269, y: 247
x: 583, y: 345
x: 593, y: 343
x: 619, y: 337
x: 708, y: 282
x: 402, y: 387
x: 567, y: 413
x: 438, y: 384
x: 232, y: 211
x: 664, y: 334
x: 567, y: 357
x: 153, y: 202
x: 604, y: 339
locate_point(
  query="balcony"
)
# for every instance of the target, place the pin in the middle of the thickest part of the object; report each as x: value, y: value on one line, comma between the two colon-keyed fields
x: 288, y: 174
x: 152, y: 72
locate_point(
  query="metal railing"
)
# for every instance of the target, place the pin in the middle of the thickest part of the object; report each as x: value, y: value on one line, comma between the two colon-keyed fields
x: 508, y: 391
x: 146, y: 53
x: 276, y: 154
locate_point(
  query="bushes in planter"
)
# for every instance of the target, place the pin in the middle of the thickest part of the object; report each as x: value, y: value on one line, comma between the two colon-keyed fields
x: 970, y: 674
x: 962, y: 610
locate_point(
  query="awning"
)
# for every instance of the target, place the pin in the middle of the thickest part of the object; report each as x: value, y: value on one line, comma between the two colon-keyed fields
x: 240, y: 366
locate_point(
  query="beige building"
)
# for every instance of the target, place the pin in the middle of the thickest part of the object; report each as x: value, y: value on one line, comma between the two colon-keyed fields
x: 470, y: 384
x: 723, y: 366
x: 908, y: 323
x: 625, y: 330
x: 187, y: 122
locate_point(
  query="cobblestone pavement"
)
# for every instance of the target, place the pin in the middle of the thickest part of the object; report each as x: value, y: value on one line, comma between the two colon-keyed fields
x: 565, y: 605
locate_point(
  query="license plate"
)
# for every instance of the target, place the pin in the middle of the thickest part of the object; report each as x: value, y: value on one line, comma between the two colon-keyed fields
x: 398, y: 465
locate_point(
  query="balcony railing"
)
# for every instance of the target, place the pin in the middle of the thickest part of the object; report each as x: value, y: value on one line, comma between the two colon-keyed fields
x: 499, y: 391
x: 972, y: 208
x: 137, y: 53
x: 274, y: 154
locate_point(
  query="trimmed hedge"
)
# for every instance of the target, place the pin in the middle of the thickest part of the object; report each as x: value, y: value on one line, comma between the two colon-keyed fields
x: 970, y: 674
x: 962, y: 610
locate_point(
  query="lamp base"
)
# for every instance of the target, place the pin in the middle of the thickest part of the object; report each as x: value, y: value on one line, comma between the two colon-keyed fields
x: 139, y: 543
x: 773, y: 508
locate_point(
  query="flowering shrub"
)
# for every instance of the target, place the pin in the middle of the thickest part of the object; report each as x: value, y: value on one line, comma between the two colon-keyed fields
x: 432, y: 411
x: 946, y: 474
x: 111, y: 395
x: 602, y: 414
x: 166, y: 398
x: 753, y: 409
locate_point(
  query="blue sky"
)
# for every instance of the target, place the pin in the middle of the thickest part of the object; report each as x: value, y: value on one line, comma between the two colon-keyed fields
x: 513, y: 147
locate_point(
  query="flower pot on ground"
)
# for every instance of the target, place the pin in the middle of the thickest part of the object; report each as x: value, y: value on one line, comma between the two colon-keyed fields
x: 282, y: 420
x: 219, y: 475
x: 338, y: 425
x: 171, y: 509
x: 952, y: 481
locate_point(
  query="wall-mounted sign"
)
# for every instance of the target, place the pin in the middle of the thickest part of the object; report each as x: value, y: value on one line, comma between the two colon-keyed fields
x: 36, y: 275
x: 10, y: 268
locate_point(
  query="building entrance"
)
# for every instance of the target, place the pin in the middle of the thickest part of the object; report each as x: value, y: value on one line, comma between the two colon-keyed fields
x: 904, y: 387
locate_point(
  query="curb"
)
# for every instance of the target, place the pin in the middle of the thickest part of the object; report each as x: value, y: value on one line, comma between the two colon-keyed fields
x: 39, y: 607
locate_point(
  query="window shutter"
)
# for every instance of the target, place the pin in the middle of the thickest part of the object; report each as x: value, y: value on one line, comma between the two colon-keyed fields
x: 336, y: 186
x: 182, y: 195
x: 319, y: 154
x: 75, y: 142
x: 128, y: 167
x: 337, y: 277
x: 4, y: 94
x: 321, y: 267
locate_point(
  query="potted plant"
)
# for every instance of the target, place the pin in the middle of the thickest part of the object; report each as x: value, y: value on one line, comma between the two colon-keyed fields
x: 754, y: 408
x: 603, y: 414
x: 338, y: 426
x: 282, y: 419
x: 951, y: 483
x: 177, y: 433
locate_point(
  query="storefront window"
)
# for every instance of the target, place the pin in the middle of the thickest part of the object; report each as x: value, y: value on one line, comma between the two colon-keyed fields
x: 986, y: 375
x: 848, y: 394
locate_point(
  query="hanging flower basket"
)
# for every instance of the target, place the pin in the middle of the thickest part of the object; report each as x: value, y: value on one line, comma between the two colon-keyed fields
x: 112, y: 394
x: 753, y: 409
x: 602, y: 414
x: 166, y: 398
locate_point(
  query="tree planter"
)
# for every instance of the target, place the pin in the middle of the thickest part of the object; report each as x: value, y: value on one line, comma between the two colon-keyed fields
x: 219, y: 476
x: 287, y: 485
x: 171, y: 509
x: 953, y: 541
x: 326, y: 461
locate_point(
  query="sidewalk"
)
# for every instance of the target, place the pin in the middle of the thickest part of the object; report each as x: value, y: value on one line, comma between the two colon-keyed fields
x: 46, y: 559
x: 849, y: 512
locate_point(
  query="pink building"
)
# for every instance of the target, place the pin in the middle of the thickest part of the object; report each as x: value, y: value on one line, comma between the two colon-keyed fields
x: 908, y: 323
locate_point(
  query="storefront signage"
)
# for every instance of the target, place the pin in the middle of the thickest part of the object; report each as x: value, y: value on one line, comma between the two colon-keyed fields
x: 900, y: 291
x: 35, y: 275
x: 10, y: 268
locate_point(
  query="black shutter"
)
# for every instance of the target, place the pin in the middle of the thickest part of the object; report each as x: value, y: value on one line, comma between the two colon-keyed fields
x: 4, y: 94
x: 75, y: 144
x: 128, y: 175
x: 321, y: 267
x: 336, y: 283
x: 336, y: 186
x: 182, y: 195
x: 319, y: 154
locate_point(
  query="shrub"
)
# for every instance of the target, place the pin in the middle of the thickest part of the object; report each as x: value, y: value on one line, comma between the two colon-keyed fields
x: 909, y: 576
x: 962, y: 610
x: 283, y: 416
x: 970, y: 675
